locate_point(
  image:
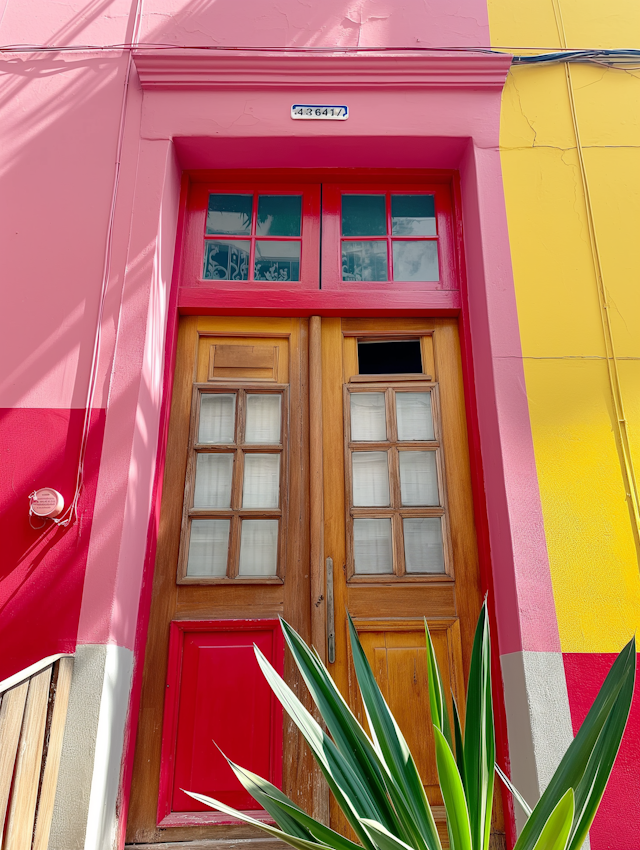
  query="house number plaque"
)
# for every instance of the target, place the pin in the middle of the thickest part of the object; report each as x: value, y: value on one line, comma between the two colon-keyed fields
x: 319, y: 112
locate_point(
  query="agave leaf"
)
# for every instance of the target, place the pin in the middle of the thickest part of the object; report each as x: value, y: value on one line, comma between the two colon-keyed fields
x: 293, y: 840
x: 321, y: 833
x: 479, y: 742
x: 391, y: 745
x: 574, y: 771
x: 556, y: 831
x: 346, y: 785
x: 457, y: 729
x: 455, y: 801
x: 526, y: 808
x: 268, y: 796
x: 348, y: 735
x: 383, y: 839
x: 437, y: 702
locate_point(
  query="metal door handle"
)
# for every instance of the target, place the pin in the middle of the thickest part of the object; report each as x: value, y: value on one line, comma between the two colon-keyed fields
x: 331, y: 621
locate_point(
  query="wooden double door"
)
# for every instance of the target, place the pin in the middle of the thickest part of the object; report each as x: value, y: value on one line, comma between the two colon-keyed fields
x: 314, y: 467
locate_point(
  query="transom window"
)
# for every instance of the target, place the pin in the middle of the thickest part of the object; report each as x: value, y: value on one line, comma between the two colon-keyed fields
x: 328, y: 236
x: 233, y: 511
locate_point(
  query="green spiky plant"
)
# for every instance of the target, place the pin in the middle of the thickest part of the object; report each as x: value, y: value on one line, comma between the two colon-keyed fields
x: 375, y: 780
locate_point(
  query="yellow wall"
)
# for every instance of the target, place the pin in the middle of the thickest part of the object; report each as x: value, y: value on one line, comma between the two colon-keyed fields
x: 593, y: 555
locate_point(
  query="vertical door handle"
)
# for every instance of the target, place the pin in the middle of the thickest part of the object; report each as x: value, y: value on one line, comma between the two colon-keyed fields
x: 331, y: 620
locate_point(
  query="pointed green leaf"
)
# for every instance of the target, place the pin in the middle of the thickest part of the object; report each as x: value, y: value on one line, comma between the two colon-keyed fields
x: 293, y: 840
x: 555, y: 833
x: 575, y: 770
x: 383, y: 839
x: 479, y: 741
x: 391, y: 745
x: 437, y: 701
x: 347, y: 787
x: 453, y: 795
x: 323, y: 834
x: 459, y: 740
x: 526, y: 808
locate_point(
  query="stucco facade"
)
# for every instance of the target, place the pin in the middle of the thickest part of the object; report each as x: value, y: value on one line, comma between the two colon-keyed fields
x: 97, y: 136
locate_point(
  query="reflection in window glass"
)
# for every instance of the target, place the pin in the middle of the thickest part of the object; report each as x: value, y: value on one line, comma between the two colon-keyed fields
x: 217, y: 418
x: 258, y: 547
x: 370, y: 479
x: 261, y: 487
x: 364, y: 215
x: 372, y: 549
x: 415, y: 260
x: 368, y: 417
x: 415, y: 420
x: 229, y: 214
x: 279, y: 215
x: 208, y: 547
x: 413, y: 215
x: 364, y: 260
x: 213, y: 481
x: 418, y: 479
x: 277, y: 260
x: 226, y: 260
x: 263, y: 418
x: 423, y: 552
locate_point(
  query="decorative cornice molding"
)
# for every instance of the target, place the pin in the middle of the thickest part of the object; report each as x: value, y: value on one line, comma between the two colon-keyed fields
x: 190, y: 69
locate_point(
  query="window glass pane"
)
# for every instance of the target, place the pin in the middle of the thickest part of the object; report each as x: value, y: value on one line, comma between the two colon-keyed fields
x: 370, y: 479
x: 277, y: 260
x: 372, y: 550
x: 217, y: 418
x: 400, y: 356
x: 364, y: 215
x: 364, y: 260
x: 213, y: 481
x: 413, y: 412
x: 226, y: 260
x: 263, y: 418
x: 229, y: 214
x: 368, y: 417
x: 208, y: 547
x: 279, y: 215
x: 261, y: 488
x: 418, y: 478
x: 413, y: 215
x: 423, y: 551
x: 258, y: 547
x: 415, y: 261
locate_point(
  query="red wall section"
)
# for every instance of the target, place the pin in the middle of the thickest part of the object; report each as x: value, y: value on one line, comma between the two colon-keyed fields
x: 621, y: 802
x: 42, y: 570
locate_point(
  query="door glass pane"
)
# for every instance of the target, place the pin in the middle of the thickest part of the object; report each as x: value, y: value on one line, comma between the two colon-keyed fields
x: 415, y: 420
x: 364, y: 260
x: 263, y: 418
x: 415, y: 261
x: 368, y: 417
x: 364, y: 215
x: 372, y: 550
x: 229, y: 214
x: 370, y: 479
x: 261, y: 488
x: 226, y: 260
x: 258, y: 547
x: 277, y: 260
x: 279, y: 215
x: 208, y: 547
x: 423, y: 551
x: 213, y: 481
x: 418, y: 478
x: 217, y: 418
x: 413, y: 215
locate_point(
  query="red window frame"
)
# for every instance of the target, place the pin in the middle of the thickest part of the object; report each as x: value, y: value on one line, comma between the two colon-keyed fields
x: 309, y: 238
x: 332, y: 235
x: 178, y: 695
